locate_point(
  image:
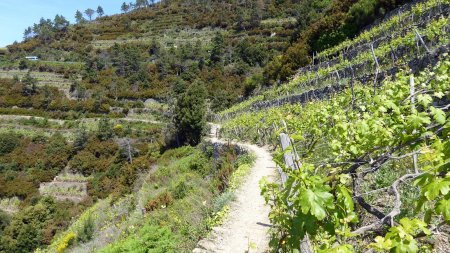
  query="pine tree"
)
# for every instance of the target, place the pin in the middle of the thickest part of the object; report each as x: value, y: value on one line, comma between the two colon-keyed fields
x: 28, y: 33
x: 105, y: 129
x: 100, y: 11
x: 125, y: 7
x: 29, y: 85
x: 190, y: 114
x: 89, y: 12
x: 217, y: 50
x: 79, y: 17
x: 141, y: 3
x: 60, y: 22
x: 81, y: 139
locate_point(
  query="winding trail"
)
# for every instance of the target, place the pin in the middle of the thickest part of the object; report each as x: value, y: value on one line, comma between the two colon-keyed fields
x: 245, y: 229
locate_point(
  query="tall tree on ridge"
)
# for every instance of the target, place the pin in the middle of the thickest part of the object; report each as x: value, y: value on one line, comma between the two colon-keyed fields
x: 100, y: 11
x: 89, y: 12
x: 60, y: 22
x: 141, y: 3
x: 79, y: 17
x: 28, y: 33
x: 125, y: 7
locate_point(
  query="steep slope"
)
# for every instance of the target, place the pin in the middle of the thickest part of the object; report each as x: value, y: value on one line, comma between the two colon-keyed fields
x: 369, y: 121
x: 148, y: 51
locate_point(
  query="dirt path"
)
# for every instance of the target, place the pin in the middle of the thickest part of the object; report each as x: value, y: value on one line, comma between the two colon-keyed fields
x: 246, y: 226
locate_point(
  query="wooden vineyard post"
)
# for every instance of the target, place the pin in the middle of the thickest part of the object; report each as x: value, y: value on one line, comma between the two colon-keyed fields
x: 290, y: 160
x: 352, y: 81
x: 421, y: 41
x: 412, y: 91
x: 392, y: 54
x: 377, y: 70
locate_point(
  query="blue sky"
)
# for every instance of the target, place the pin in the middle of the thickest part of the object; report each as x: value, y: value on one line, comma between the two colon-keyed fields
x: 16, y: 15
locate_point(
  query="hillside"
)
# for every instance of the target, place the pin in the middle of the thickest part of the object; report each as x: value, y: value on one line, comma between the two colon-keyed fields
x: 167, y: 44
x: 368, y: 125
x: 104, y: 146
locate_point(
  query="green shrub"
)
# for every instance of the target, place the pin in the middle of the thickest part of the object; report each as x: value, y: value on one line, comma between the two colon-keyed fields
x: 248, y: 159
x: 222, y: 200
x: 181, y: 189
x: 199, y: 164
x: 4, y: 221
x: 8, y: 142
x: 150, y: 239
x: 86, y: 232
x: 105, y: 129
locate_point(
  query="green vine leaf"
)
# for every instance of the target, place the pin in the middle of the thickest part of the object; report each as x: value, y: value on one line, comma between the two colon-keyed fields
x: 316, y: 201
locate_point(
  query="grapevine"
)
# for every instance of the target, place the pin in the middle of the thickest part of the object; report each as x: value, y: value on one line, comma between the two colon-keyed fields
x: 345, y: 146
x: 400, y: 46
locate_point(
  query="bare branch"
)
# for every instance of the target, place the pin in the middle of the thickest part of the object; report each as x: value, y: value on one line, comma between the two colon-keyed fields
x: 395, y: 210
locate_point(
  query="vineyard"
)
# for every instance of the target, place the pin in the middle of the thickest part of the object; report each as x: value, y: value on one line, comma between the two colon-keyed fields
x: 328, y: 127
x: 66, y: 187
x: 44, y: 78
x: 167, y: 38
x: 369, y: 130
x: 421, y: 34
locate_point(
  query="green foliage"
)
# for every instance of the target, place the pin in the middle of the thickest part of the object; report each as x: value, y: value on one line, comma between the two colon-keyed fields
x: 217, y: 49
x: 190, y: 114
x: 360, y: 134
x: 302, y: 83
x: 29, y: 85
x: 218, y: 217
x: 8, y: 142
x: 86, y: 232
x: 401, y: 237
x: 81, y: 139
x: 26, y: 230
x: 340, y: 21
x: 149, y: 239
x: 105, y: 129
x: 5, y: 219
x: 23, y: 64
x: 223, y: 200
x: 124, y: 56
x: 181, y: 189
x: 251, y: 53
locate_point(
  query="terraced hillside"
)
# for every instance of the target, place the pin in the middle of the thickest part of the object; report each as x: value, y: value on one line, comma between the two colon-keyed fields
x: 44, y: 78
x: 102, y: 145
x: 410, y: 39
x: 167, y: 38
x: 68, y: 187
x: 165, y: 42
x: 369, y: 125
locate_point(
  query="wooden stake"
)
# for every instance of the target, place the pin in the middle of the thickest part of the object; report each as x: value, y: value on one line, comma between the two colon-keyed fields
x: 411, y: 92
x: 421, y: 41
x: 377, y: 69
x: 290, y: 162
x: 351, y: 85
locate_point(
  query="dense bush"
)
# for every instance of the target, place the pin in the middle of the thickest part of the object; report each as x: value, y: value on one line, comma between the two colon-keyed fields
x: 8, y: 142
x: 26, y: 230
x: 86, y: 232
x: 4, y: 221
x: 152, y: 239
